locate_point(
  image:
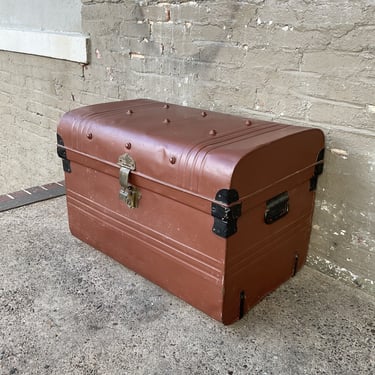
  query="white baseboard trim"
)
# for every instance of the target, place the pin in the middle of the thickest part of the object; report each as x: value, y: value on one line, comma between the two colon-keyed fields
x: 65, y: 46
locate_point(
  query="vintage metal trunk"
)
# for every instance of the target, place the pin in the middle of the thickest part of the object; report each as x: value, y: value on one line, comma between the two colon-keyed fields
x: 214, y: 208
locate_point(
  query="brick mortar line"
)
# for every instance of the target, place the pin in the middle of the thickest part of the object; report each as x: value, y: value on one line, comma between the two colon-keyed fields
x: 31, y: 195
x: 304, y: 122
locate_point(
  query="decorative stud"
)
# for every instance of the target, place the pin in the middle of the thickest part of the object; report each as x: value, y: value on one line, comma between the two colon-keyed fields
x: 172, y: 160
x: 204, y: 114
x: 166, y: 106
x: 89, y: 135
x: 248, y: 122
x: 212, y: 132
x: 166, y: 121
x: 129, y: 112
x: 128, y: 145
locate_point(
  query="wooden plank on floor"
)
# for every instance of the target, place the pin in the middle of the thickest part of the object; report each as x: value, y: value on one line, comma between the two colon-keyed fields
x: 31, y: 195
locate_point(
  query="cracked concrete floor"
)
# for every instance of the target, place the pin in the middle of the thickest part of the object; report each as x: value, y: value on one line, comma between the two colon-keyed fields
x: 65, y: 308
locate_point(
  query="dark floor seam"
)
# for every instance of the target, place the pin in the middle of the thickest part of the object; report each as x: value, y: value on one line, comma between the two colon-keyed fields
x: 31, y: 195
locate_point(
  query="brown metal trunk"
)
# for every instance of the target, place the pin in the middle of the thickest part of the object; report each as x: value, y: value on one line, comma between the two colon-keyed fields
x: 214, y: 208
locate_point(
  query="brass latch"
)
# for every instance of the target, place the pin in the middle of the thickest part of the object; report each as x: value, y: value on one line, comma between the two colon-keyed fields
x: 128, y: 193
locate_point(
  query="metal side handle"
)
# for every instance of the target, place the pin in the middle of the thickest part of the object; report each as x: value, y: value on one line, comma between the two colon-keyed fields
x: 276, y: 208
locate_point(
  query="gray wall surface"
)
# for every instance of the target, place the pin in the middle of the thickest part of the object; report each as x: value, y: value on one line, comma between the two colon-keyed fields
x: 307, y: 63
x: 52, y: 15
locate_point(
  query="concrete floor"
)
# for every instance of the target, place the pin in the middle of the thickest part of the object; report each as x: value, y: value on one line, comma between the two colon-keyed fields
x: 65, y: 308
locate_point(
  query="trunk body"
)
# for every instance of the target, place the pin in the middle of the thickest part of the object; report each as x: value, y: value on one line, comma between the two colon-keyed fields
x: 214, y: 208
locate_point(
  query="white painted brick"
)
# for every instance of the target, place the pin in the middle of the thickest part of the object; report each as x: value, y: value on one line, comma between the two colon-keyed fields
x: 349, y: 116
x: 338, y: 64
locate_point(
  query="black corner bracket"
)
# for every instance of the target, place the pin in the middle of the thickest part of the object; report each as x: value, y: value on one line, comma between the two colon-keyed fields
x: 225, y: 218
x: 61, y: 152
x: 318, y: 170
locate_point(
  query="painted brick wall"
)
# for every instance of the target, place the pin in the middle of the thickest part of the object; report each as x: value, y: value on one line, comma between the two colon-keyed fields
x: 34, y: 93
x: 301, y: 62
